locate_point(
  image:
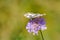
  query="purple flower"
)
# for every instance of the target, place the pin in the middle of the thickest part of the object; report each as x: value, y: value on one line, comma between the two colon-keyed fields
x: 35, y: 25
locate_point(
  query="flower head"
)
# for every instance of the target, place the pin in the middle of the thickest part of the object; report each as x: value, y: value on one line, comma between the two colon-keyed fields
x: 35, y: 23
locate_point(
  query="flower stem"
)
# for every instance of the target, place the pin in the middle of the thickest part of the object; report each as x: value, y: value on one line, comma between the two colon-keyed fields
x: 42, y: 35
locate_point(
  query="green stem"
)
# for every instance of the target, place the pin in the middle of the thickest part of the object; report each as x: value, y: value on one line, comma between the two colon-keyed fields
x: 42, y: 35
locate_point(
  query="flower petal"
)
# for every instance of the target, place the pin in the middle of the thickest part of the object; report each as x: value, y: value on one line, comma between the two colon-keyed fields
x: 43, y: 27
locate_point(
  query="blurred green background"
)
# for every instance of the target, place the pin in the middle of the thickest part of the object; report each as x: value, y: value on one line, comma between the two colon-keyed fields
x: 13, y: 22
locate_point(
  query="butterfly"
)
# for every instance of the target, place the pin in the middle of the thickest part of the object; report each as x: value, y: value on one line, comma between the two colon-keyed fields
x: 33, y: 15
